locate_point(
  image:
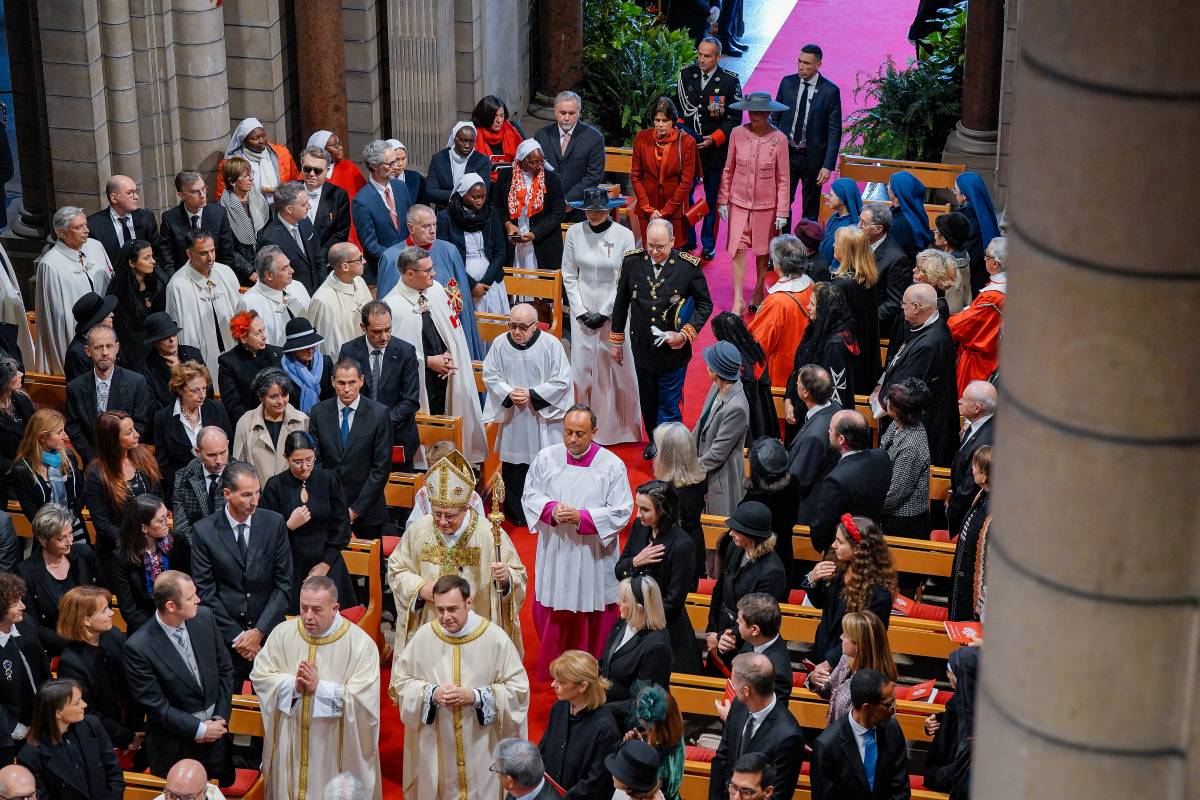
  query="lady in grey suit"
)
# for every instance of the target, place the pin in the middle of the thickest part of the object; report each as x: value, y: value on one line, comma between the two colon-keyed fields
x: 721, y: 432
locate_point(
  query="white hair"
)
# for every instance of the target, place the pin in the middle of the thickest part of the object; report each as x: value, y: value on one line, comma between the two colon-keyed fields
x: 659, y: 222
x: 568, y: 95
x: 998, y: 249
x: 63, y: 217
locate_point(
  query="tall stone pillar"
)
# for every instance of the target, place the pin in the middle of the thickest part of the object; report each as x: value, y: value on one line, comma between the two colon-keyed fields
x: 1091, y: 669
x: 973, y: 140
x: 261, y: 74
x: 561, y: 44
x: 365, y: 79
x: 30, y: 217
x: 422, y: 74
x: 120, y: 91
x: 320, y: 52
x: 202, y: 85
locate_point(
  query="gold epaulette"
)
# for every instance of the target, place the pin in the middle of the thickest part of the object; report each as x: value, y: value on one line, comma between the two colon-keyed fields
x: 691, y: 258
x: 634, y: 252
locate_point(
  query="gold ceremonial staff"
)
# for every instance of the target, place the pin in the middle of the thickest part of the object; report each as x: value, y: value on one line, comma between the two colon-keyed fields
x: 496, y: 516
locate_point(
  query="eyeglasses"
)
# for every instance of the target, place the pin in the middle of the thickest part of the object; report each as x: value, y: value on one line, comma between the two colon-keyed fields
x: 358, y: 260
x: 303, y: 462
x: 391, y: 163
x: 170, y: 795
x: 741, y: 791
x: 130, y: 193
x: 447, y: 516
x: 519, y: 328
x: 312, y: 170
x: 427, y: 269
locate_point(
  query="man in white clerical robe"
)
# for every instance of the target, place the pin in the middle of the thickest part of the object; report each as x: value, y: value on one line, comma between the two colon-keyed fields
x: 461, y: 689
x: 74, y: 266
x: 202, y: 297
x: 276, y: 296
x: 455, y: 540
x: 427, y: 318
x: 528, y: 382
x: 577, y: 501
x: 335, y: 308
x: 317, y: 681
x: 12, y: 309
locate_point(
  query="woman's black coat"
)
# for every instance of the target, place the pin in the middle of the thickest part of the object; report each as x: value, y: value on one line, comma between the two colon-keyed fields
x: 99, y: 777
x: 100, y: 672
x: 574, y: 747
x: 673, y: 574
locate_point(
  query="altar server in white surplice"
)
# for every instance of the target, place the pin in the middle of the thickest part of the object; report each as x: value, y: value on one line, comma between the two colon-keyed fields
x: 591, y: 265
x: 425, y: 316
x: 276, y: 296
x: 201, y: 297
x: 461, y: 689
x: 335, y: 309
x: 74, y: 266
x: 528, y: 381
x: 317, y: 680
x: 577, y: 501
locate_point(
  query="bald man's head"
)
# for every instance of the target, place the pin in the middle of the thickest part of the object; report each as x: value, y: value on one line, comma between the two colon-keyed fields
x: 849, y: 432
x: 187, y: 778
x: 920, y: 303
x: 17, y: 781
x: 979, y: 399
x: 522, y: 323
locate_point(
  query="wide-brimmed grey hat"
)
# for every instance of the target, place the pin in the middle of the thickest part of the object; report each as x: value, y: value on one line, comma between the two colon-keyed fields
x: 758, y: 101
x: 724, y: 359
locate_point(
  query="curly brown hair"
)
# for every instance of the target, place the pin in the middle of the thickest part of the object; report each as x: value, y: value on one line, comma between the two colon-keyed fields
x: 182, y: 374
x: 871, y: 565
x: 12, y: 589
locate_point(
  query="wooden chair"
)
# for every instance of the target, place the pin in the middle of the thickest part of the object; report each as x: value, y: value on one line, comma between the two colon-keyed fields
x: 618, y: 160
x: 400, y: 490
x: 491, y: 326
x: 866, y: 169
x: 46, y: 391
x: 143, y: 786
x: 363, y: 558
x: 939, y: 484
x: 434, y: 429
x: 541, y: 284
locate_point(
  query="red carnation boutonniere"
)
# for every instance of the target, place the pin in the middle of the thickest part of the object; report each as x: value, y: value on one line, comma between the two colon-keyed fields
x: 454, y: 300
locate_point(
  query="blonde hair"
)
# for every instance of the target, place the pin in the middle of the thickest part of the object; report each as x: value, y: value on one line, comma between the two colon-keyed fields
x: 677, y: 462
x: 649, y: 614
x: 577, y: 666
x: 858, y: 260
x: 760, y: 547
x: 43, y: 421
x: 941, y: 269
x: 871, y: 640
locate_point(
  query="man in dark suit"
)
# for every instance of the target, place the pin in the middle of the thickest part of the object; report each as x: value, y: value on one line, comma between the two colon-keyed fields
x: 179, y: 670
x: 379, y: 209
x: 758, y: 623
x: 895, y: 270
x: 813, y: 125
x: 291, y: 231
x: 756, y: 722
x: 354, y: 439
x: 863, y: 755
x: 392, y: 375
x: 328, y: 205
x: 521, y: 771
x: 857, y: 485
x: 927, y: 354
x: 198, y: 485
x: 242, y: 565
x: 574, y: 149
x: 810, y: 456
x: 123, y: 221
x: 89, y: 311
x: 977, y: 405
x: 194, y: 211
x: 705, y: 94
x: 106, y: 387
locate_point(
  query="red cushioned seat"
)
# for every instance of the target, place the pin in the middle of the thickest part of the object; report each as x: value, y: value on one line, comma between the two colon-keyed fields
x: 939, y: 536
x: 354, y: 613
x: 805, y: 767
x: 928, y: 611
x: 798, y: 678
x: 705, y: 586
x: 247, y: 687
x: 796, y: 597
x: 693, y: 753
x: 54, y: 665
x: 916, y: 781
x: 389, y: 544
x: 242, y: 781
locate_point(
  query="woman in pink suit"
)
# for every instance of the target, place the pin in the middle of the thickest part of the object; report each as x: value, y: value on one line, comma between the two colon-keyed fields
x: 754, y: 191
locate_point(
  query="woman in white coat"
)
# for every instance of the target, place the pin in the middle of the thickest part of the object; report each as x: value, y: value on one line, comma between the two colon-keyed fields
x: 591, y: 265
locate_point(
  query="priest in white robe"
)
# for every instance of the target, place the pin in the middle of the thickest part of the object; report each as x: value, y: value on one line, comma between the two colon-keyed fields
x: 528, y: 382
x: 74, y: 266
x: 461, y: 689
x: 12, y: 309
x: 455, y: 540
x: 317, y: 680
x: 427, y: 318
x: 577, y: 500
x: 592, y: 255
x: 335, y: 308
x: 276, y: 296
x: 202, y: 297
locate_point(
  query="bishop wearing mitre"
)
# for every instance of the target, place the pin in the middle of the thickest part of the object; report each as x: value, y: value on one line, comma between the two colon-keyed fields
x: 455, y: 539
x: 317, y: 680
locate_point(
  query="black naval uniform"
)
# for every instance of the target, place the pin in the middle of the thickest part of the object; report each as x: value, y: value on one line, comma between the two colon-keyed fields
x: 647, y: 299
x: 704, y: 111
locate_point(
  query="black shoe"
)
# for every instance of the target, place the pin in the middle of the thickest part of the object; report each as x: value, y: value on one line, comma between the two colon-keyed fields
x: 650, y: 453
x: 708, y: 255
x: 738, y: 43
x: 730, y: 50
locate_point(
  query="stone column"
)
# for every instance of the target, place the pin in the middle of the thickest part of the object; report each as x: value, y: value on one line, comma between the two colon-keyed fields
x: 116, y: 43
x: 365, y: 105
x: 973, y: 141
x: 202, y: 86
x: 1091, y: 668
x: 258, y: 38
x: 30, y: 217
x: 561, y: 45
x: 421, y: 56
x: 320, y: 52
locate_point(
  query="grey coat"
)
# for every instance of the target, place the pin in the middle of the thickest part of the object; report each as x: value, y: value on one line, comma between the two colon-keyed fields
x: 720, y: 438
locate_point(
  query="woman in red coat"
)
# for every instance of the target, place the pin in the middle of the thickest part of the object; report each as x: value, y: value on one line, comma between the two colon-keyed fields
x: 664, y: 166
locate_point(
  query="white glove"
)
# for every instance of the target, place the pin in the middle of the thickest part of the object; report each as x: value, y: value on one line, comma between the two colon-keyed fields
x: 714, y: 14
x: 660, y: 336
x: 780, y: 222
x: 19, y: 732
x: 723, y: 211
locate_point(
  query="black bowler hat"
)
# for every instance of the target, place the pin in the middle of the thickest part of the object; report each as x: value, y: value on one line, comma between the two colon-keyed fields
x: 300, y: 335
x: 597, y: 199
x: 753, y: 519
x: 159, y: 326
x: 635, y: 764
x: 90, y: 310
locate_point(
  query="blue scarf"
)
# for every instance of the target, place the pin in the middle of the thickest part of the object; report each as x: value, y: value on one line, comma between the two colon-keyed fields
x: 911, y: 194
x: 978, y: 198
x: 52, y: 459
x: 307, y: 378
x: 846, y: 191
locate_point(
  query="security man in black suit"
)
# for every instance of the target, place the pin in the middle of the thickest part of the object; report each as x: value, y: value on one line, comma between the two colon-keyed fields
x: 863, y: 755
x: 194, y: 211
x: 705, y: 94
x: 392, y: 375
x: 813, y: 124
x: 291, y: 231
x: 653, y: 291
x: 857, y: 485
x: 977, y: 405
x: 757, y: 722
x: 179, y: 671
x: 123, y: 221
x: 242, y: 565
x: 328, y: 205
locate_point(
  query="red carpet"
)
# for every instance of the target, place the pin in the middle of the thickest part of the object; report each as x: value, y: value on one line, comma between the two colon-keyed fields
x: 852, y: 42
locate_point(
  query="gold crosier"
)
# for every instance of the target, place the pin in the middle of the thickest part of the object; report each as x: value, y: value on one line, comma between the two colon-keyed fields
x: 502, y: 610
x: 460, y: 753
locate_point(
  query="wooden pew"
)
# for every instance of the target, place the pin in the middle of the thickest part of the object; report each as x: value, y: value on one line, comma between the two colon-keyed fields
x: 491, y: 326
x: 543, y: 284
x: 866, y: 169
x: 695, y: 785
x: 434, y: 429
x: 363, y: 558
x: 400, y: 490
x: 46, y: 391
x: 618, y: 160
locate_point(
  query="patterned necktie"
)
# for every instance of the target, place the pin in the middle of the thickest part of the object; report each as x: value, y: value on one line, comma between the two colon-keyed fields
x: 564, y: 142
x: 391, y: 205
x: 376, y: 371
x: 296, y: 237
x: 101, y: 396
x: 195, y: 222
x: 243, y: 540
x: 870, y: 756
x: 185, y: 647
x: 345, y: 429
